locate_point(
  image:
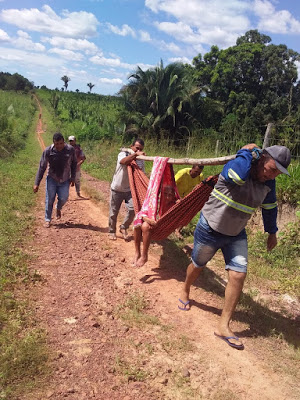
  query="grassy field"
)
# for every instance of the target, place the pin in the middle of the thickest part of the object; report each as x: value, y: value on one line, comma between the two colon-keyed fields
x: 23, y: 351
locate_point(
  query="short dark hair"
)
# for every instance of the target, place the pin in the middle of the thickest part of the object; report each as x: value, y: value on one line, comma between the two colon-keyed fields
x: 198, y: 166
x: 57, y: 137
x: 139, y: 140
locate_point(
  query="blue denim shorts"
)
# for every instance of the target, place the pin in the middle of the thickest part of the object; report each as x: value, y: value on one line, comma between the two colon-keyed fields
x: 207, y: 242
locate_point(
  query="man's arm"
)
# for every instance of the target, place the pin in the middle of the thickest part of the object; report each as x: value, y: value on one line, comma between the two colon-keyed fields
x: 237, y: 171
x: 127, y: 160
x: 82, y: 158
x: 42, y: 168
x: 269, y: 214
x: 73, y: 167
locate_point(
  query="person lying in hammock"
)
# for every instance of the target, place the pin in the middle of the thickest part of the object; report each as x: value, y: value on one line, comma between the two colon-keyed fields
x: 143, y: 231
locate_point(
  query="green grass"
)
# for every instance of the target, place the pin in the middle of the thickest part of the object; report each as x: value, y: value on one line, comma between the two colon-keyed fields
x: 281, y: 265
x: 133, y: 311
x: 23, y: 350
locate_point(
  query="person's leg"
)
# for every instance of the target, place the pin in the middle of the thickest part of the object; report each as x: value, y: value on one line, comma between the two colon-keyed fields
x: 116, y: 199
x: 192, y: 273
x: 146, y: 243
x: 137, y: 234
x: 236, y: 259
x: 62, y: 196
x: 50, y: 197
x: 233, y: 291
x: 77, y: 182
x: 130, y: 211
x: 205, y: 246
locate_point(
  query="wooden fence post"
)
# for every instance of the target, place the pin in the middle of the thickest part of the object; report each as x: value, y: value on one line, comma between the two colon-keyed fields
x: 267, y: 135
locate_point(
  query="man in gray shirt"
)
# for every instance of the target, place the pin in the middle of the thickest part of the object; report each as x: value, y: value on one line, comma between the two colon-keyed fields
x: 120, y: 189
x: 62, y: 162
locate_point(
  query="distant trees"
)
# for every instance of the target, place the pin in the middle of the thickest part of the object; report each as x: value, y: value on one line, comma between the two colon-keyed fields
x: 15, y: 82
x: 90, y: 85
x: 230, y: 93
x: 66, y: 81
x: 254, y: 80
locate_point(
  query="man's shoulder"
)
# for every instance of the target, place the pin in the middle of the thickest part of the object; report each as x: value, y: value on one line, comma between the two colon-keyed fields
x: 69, y: 148
x: 182, y: 172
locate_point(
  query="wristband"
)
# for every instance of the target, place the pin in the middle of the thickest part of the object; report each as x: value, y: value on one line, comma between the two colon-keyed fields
x: 256, y: 153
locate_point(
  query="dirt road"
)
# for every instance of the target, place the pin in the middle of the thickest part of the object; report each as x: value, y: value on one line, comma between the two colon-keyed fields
x: 115, y: 331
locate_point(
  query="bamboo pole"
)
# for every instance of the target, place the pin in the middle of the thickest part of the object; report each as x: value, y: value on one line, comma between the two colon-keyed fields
x: 187, y: 161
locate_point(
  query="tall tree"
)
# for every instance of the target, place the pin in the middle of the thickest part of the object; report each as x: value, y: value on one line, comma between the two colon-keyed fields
x: 158, y: 100
x: 66, y: 81
x: 253, y: 79
x: 90, y: 85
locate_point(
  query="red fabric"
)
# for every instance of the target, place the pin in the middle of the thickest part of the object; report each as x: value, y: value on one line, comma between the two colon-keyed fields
x: 178, y: 215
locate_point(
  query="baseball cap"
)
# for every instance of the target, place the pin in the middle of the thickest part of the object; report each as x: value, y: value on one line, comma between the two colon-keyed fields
x: 72, y: 138
x: 282, y: 157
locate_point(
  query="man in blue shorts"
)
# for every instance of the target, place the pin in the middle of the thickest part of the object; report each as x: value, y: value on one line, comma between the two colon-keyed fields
x: 245, y: 183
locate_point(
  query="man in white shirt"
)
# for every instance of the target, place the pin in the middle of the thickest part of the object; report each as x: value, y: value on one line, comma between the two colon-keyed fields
x: 120, y: 189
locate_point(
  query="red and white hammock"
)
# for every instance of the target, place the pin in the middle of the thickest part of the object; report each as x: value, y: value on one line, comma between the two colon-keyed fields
x: 178, y: 215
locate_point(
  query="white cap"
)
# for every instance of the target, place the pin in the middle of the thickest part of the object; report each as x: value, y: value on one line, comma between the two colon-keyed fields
x: 72, y: 138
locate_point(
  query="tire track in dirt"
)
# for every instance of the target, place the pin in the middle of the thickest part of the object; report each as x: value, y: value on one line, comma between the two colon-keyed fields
x: 85, y: 277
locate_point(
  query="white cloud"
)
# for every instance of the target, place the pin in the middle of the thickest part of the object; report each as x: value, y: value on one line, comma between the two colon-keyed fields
x: 71, y: 24
x: 26, y: 58
x: 72, y: 44
x: 109, y: 62
x: 23, y: 41
x: 126, y: 30
x: 202, y: 22
x: 275, y: 21
x: 4, y: 36
x: 110, y: 81
x: 183, y: 60
x: 144, y: 36
x: 67, y: 54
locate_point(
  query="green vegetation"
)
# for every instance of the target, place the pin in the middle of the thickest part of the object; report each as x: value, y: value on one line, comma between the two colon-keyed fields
x: 23, y: 350
x: 16, y: 113
x: 89, y: 117
x: 14, y: 82
x: 280, y: 266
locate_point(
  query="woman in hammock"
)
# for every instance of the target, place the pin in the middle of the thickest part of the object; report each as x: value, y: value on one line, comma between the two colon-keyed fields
x: 143, y: 231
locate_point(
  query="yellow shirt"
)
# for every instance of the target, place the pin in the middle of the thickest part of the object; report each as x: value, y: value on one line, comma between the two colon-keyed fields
x: 185, y: 183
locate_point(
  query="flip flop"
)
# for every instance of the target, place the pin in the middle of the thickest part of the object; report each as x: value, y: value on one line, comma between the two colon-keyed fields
x: 227, y: 340
x: 185, y: 304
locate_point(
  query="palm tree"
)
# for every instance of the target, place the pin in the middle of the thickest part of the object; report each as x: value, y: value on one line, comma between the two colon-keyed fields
x: 162, y: 98
x: 66, y: 80
x: 90, y: 85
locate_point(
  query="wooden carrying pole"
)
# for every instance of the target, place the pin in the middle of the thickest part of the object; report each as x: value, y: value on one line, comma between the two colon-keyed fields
x: 188, y: 161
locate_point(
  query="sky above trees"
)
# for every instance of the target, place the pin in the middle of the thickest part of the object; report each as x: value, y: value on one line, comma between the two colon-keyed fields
x: 103, y: 41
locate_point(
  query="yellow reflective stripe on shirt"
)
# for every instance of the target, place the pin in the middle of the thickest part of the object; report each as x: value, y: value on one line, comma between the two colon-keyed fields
x: 269, y: 206
x: 235, y: 177
x: 231, y: 203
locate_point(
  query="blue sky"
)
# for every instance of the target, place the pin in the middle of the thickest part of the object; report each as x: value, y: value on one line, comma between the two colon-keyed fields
x: 103, y: 41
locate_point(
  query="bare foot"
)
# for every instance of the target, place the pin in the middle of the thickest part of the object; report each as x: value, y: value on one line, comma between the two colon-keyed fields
x: 136, y: 257
x: 141, y: 261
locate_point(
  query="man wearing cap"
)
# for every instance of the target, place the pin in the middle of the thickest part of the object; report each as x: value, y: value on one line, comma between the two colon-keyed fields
x: 80, y: 157
x: 245, y: 183
x: 61, y: 159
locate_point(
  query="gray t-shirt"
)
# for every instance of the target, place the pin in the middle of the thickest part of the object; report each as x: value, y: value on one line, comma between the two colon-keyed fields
x: 120, y: 181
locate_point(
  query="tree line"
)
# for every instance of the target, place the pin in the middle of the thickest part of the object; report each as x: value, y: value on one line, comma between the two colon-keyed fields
x: 14, y: 82
x: 228, y: 93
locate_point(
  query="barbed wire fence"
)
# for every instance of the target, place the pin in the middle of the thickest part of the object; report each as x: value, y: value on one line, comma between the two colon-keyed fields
x: 281, y: 134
